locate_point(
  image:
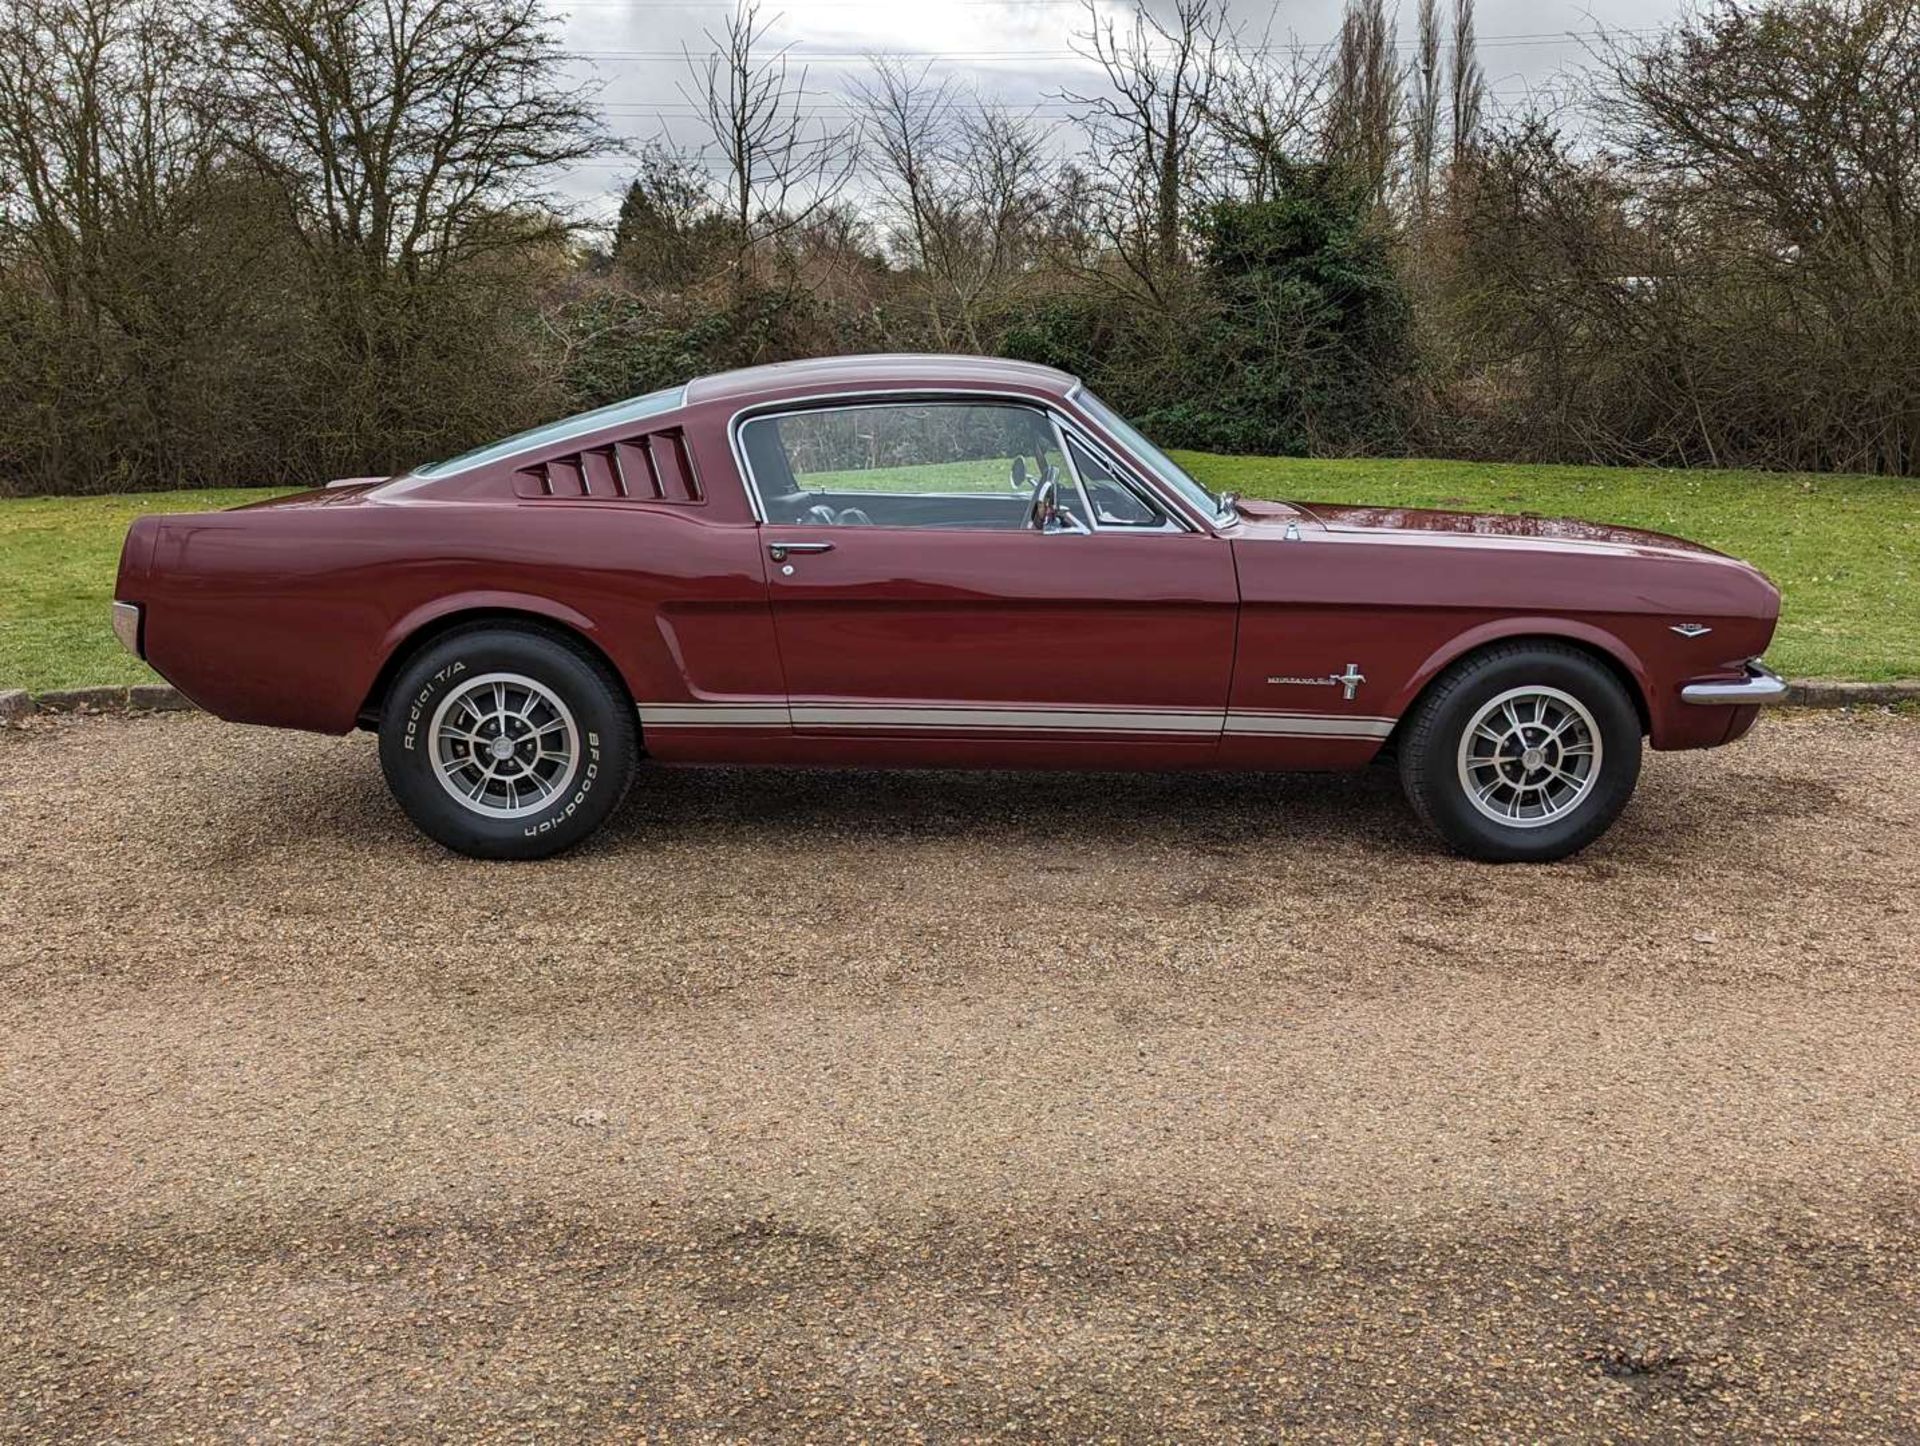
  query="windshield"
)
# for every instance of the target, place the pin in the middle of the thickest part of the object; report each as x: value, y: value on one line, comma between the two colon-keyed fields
x: 1164, y: 467
x: 631, y: 410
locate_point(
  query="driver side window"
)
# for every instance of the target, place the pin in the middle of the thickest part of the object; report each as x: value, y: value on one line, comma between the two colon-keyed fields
x: 908, y: 464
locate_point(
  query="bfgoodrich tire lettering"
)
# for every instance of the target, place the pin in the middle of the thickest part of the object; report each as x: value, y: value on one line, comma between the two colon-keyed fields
x: 507, y: 742
x: 1523, y: 752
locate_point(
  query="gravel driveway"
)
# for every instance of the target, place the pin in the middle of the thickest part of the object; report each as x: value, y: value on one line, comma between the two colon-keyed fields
x: 954, y: 1106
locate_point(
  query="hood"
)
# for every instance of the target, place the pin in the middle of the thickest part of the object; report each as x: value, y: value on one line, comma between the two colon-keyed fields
x: 1529, y: 527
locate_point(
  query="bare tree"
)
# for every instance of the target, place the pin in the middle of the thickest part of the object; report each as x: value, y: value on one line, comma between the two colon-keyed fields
x: 98, y: 141
x: 123, y: 256
x: 1266, y: 111
x: 1425, y: 127
x: 1147, y: 133
x: 1467, y: 86
x: 1777, y: 151
x: 910, y: 125
x: 399, y: 134
x: 407, y: 145
x: 669, y: 231
x: 964, y: 188
x: 1363, y: 116
x: 781, y: 167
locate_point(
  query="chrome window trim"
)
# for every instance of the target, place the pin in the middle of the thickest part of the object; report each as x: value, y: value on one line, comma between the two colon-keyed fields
x: 1229, y: 516
x: 1171, y: 521
x: 1187, y: 518
x: 1073, y: 475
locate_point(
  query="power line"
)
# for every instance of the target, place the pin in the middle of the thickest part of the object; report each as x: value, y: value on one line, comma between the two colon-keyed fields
x: 1511, y: 85
x: 799, y: 51
x: 811, y: 4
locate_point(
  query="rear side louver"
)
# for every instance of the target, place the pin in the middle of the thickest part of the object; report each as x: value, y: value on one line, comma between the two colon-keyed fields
x: 652, y: 468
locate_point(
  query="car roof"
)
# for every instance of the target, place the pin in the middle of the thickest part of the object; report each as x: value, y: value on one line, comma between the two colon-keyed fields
x: 883, y: 369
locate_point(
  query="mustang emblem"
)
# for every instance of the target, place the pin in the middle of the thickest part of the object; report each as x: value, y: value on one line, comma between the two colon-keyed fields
x: 1349, y: 680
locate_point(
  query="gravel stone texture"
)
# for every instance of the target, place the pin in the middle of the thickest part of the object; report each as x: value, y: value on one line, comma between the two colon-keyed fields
x: 936, y: 1106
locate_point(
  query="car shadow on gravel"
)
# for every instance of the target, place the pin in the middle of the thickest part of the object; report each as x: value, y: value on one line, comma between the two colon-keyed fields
x: 343, y: 802
x: 254, y: 793
x: 1195, y: 811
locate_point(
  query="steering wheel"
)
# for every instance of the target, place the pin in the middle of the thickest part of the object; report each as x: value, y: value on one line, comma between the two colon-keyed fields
x: 1018, y: 479
x: 853, y: 517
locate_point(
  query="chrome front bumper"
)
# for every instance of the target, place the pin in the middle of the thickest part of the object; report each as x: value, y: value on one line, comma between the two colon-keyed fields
x: 1761, y: 685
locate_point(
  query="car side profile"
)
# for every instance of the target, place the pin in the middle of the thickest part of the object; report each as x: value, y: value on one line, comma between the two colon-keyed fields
x: 934, y: 562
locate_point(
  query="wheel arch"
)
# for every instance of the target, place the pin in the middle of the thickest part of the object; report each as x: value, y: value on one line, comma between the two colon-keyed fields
x: 1602, y: 646
x: 422, y: 629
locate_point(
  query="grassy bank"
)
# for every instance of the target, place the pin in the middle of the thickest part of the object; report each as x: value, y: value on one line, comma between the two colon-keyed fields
x: 1845, y: 550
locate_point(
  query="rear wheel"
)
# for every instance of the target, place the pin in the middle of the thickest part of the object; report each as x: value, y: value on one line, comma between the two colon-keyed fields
x: 507, y: 743
x: 1522, y: 752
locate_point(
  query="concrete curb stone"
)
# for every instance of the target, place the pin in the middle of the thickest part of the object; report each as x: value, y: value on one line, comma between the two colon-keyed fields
x: 1833, y: 693
x: 78, y: 700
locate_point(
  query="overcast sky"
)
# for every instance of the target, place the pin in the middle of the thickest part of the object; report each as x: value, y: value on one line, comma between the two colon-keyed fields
x: 1016, y: 52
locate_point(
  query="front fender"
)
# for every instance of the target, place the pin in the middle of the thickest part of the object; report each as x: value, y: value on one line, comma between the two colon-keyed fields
x: 1545, y: 627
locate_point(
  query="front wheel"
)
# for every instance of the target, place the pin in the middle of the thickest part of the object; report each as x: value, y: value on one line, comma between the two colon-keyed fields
x: 1522, y: 753
x: 507, y: 743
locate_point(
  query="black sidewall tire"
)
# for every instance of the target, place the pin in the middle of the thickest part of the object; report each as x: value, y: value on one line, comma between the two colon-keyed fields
x: 608, y: 727
x: 1429, y: 758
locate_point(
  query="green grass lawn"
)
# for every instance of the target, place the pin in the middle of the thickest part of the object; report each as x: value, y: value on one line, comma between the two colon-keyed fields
x: 1845, y: 550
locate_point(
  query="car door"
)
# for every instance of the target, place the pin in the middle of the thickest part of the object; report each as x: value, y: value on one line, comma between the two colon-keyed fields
x: 915, y: 601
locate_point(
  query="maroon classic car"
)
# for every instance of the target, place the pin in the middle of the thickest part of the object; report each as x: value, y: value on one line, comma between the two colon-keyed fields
x: 934, y: 561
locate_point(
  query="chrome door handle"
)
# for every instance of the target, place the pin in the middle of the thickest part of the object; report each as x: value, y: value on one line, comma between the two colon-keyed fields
x: 778, y: 551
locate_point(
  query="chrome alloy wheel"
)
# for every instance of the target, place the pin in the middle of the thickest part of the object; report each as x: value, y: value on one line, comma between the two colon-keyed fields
x: 1530, y: 756
x: 504, y: 745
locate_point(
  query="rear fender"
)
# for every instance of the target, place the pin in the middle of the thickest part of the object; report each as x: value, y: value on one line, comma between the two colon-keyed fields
x: 399, y: 638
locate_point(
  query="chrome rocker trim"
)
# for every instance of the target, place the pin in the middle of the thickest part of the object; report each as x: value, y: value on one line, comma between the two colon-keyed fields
x: 1761, y: 685
x: 1201, y: 723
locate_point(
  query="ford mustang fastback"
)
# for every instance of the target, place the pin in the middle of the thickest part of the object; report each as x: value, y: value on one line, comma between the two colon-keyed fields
x: 934, y: 561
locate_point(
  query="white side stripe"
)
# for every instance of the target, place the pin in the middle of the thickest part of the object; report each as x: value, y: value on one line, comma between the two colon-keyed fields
x: 715, y: 715
x: 1188, y: 722
x: 1072, y: 720
x: 1298, y: 725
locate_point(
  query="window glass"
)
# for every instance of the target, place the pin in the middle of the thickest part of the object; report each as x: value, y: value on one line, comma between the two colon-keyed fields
x: 1114, y: 502
x: 1163, y: 466
x: 579, y: 425
x: 919, y: 464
